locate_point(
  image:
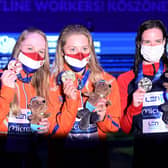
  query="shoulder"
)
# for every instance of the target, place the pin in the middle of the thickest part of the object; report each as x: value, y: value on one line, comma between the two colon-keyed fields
x: 107, y: 76
x: 128, y: 76
x: 125, y: 78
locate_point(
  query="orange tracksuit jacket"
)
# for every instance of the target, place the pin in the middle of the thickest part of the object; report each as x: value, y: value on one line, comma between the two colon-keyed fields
x: 65, y: 118
x: 7, y: 94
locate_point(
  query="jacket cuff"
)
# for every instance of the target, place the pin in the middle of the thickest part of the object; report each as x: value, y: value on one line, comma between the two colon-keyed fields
x: 132, y: 110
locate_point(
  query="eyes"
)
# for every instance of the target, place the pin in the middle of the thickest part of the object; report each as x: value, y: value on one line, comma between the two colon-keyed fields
x: 29, y: 49
x: 156, y: 42
x: 74, y: 50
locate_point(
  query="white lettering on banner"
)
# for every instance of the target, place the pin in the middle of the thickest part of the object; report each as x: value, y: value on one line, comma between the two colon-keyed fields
x: 83, y: 6
x: 20, y: 124
x: 151, y: 113
x: 153, y: 98
x: 19, y: 129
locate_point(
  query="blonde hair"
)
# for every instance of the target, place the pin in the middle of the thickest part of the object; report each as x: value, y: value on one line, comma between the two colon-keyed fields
x: 40, y: 79
x: 93, y: 64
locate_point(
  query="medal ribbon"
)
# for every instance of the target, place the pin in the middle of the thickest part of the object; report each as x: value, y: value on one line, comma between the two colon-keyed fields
x: 26, y: 79
x: 156, y: 76
x: 83, y: 81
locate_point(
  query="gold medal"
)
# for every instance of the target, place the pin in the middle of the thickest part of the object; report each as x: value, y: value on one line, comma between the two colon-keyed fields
x: 68, y: 75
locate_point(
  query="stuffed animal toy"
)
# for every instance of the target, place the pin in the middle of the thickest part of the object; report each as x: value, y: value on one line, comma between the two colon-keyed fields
x: 164, y: 107
x: 38, y: 109
x: 88, y: 115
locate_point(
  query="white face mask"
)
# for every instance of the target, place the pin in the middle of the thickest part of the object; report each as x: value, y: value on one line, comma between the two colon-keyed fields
x: 152, y: 53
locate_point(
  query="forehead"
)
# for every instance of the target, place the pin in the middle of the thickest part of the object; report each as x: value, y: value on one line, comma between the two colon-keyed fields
x: 154, y: 33
x: 34, y: 39
x: 76, y: 40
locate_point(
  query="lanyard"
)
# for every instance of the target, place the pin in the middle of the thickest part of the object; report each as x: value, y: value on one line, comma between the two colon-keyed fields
x: 18, y: 93
x: 83, y: 81
x: 81, y: 84
x: 156, y: 76
x: 24, y: 80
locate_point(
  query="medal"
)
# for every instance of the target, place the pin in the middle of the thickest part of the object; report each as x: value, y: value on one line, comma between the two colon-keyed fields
x: 68, y: 75
x: 145, y: 83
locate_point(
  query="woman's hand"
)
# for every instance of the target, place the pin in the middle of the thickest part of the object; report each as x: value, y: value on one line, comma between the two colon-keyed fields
x: 101, y: 109
x: 15, y: 66
x: 138, y: 97
x: 8, y: 78
x: 69, y: 89
x: 45, y: 126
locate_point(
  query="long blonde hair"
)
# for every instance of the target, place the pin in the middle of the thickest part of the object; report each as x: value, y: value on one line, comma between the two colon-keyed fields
x: 93, y: 64
x: 40, y: 79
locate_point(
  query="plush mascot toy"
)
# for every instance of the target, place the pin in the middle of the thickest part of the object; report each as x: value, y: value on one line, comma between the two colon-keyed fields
x: 164, y: 107
x: 38, y: 109
x: 88, y: 115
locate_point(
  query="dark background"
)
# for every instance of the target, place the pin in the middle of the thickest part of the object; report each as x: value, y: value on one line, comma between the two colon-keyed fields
x: 98, y: 15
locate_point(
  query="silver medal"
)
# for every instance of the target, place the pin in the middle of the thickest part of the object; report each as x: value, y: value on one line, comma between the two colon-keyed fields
x: 145, y: 83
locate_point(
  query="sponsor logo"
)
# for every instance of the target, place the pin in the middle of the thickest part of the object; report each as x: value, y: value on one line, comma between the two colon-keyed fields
x: 19, y: 128
x: 22, y: 116
x: 151, y: 112
x: 153, y: 123
x: 153, y: 98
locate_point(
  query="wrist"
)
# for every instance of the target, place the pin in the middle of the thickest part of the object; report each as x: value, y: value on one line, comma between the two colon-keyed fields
x: 133, y: 110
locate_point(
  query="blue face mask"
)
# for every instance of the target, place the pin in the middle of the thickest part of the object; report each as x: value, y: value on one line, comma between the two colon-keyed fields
x: 31, y: 62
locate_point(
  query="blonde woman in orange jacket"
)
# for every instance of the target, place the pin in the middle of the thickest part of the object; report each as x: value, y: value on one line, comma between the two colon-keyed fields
x: 27, y: 75
x: 75, y: 55
x: 75, y: 52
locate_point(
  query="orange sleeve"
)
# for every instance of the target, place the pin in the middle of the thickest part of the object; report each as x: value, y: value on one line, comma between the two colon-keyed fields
x: 66, y: 117
x: 53, y: 108
x: 64, y: 111
x: 6, y: 96
x: 111, y: 123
